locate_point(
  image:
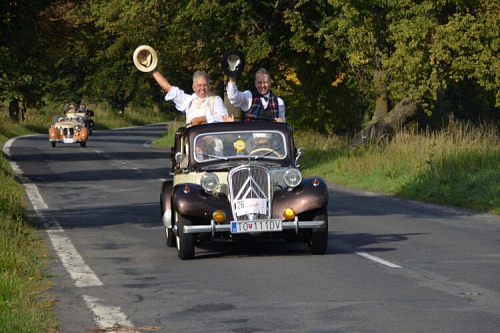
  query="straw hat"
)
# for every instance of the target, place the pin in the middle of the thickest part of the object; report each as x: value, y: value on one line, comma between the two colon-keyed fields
x: 145, y: 58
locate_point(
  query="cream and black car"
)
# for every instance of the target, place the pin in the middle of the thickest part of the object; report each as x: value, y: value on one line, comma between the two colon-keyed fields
x: 69, y: 129
x: 241, y: 182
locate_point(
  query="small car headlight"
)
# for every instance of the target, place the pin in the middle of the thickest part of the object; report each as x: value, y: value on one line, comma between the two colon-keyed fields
x: 179, y: 157
x: 289, y: 213
x: 292, y: 177
x: 209, y: 181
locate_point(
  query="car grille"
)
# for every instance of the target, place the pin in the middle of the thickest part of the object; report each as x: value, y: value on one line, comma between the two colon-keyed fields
x: 68, y: 132
x: 250, y: 182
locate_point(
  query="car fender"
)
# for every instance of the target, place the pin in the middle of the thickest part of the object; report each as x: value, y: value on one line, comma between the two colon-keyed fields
x: 54, y: 134
x: 82, y: 135
x: 312, y: 193
x: 190, y: 199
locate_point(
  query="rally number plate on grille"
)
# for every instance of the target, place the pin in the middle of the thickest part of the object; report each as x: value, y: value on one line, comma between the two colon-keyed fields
x: 68, y: 140
x: 240, y: 227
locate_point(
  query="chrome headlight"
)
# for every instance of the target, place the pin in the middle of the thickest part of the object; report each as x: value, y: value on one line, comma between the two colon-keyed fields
x: 209, y: 182
x: 78, y: 128
x: 292, y: 177
x: 179, y: 157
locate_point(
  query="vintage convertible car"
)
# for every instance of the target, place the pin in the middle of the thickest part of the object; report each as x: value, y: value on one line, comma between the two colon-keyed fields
x: 69, y: 129
x: 240, y: 181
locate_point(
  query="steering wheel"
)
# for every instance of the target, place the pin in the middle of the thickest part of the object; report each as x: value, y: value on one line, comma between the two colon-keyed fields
x: 264, y: 150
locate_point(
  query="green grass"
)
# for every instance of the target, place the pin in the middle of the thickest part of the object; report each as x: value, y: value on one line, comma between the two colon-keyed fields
x: 167, y: 140
x: 39, y: 121
x: 24, y: 304
x: 457, y: 166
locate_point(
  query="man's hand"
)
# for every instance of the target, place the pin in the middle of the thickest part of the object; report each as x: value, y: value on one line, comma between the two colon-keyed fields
x: 198, y: 121
x: 228, y: 118
x: 278, y: 120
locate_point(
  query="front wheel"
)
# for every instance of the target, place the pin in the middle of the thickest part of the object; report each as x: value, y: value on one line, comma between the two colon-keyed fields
x: 83, y: 144
x: 318, y: 239
x: 185, y: 242
x: 53, y: 144
x: 169, y: 237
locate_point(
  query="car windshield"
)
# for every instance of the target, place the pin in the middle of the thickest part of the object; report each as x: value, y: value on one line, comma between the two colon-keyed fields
x: 235, y: 145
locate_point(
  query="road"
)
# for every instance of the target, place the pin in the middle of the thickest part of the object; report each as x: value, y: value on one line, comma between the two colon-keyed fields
x: 391, y: 266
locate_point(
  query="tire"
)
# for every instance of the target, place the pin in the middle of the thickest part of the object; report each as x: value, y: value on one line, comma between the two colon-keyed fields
x: 83, y: 144
x: 170, y: 237
x: 318, y: 239
x: 185, y: 242
x: 52, y: 144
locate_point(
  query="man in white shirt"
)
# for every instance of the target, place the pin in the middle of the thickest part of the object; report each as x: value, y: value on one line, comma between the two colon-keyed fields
x: 199, y: 107
x: 258, y: 105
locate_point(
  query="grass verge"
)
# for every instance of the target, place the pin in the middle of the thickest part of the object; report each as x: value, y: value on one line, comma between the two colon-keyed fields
x: 456, y: 166
x: 24, y: 306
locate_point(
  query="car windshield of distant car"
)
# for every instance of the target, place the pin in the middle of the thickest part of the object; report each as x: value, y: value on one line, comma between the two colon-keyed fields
x: 243, y: 144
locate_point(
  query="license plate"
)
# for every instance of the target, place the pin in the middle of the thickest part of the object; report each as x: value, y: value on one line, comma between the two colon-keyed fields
x: 68, y: 140
x: 238, y: 227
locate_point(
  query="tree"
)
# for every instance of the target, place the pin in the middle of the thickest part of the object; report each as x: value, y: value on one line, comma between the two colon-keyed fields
x: 23, y: 64
x: 403, y: 52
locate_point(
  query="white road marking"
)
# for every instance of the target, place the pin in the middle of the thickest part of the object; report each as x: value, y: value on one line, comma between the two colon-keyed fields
x: 377, y: 259
x: 80, y: 272
x: 107, y: 316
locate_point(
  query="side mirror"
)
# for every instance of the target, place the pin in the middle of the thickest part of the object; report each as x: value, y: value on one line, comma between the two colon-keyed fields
x: 300, y: 152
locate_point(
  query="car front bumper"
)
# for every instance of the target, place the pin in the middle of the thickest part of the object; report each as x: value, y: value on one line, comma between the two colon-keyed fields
x: 214, y: 228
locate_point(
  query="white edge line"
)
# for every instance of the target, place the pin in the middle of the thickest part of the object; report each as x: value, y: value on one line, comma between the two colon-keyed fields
x: 107, y: 316
x: 377, y: 259
x: 80, y: 272
x: 104, y: 315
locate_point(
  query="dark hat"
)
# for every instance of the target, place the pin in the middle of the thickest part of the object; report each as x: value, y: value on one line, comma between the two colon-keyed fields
x: 233, y: 63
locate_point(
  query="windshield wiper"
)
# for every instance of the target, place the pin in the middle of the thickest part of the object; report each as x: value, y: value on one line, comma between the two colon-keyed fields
x: 215, y: 157
x: 268, y: 153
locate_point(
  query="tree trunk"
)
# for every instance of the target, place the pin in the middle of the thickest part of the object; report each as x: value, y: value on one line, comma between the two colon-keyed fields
x: 14, y: 109
x: 382, y: 102
x: 404, y: 112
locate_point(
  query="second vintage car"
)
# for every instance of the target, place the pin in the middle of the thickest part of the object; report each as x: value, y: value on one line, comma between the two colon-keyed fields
x: 241, y: 182
x: 68, y: 130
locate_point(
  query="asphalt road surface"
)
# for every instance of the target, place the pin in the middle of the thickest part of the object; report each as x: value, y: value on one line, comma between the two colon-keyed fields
x: 391, y: 266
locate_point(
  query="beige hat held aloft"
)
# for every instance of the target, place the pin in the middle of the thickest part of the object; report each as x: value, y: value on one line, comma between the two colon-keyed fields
x: 145, y: 58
